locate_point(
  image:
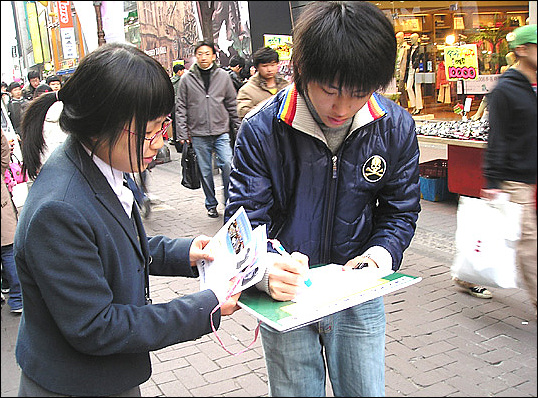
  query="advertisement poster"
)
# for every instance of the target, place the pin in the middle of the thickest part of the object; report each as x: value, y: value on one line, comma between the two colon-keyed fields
x: 461, y: 62
x: 282, y: 44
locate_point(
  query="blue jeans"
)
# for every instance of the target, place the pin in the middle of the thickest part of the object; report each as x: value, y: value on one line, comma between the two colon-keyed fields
x: 351, y: 343
x: 204, y: 147
x: 10, y: 272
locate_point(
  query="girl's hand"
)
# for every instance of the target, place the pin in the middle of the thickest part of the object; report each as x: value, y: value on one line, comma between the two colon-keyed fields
x: 196, y: 251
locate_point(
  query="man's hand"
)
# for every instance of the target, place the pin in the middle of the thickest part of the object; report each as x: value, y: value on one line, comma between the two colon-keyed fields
x: 490, y: 194
x: 286, y: 275
x: 361, y: 262
x: 196, y: 251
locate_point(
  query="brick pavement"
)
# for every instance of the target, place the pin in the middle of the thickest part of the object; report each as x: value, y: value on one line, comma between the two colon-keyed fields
x: 440, y: 341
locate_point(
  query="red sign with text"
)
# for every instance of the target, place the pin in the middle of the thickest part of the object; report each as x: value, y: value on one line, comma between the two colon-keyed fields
x: 64, y: 14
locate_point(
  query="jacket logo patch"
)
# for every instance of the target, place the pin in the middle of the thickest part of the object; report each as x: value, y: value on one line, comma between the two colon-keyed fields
x: 374, y: 168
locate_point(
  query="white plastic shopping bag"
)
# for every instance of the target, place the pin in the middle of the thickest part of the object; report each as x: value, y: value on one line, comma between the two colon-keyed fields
x: 486, y: 238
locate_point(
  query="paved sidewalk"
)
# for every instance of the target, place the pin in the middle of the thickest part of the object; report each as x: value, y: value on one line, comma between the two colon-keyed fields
x: 440, y: 342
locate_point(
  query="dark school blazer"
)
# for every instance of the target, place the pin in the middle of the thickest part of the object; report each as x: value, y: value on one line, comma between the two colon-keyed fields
x: 85, y: 327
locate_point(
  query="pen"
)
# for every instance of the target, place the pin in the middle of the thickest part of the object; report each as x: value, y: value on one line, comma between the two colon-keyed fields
x: 362, y: 264
x: 280, y: 249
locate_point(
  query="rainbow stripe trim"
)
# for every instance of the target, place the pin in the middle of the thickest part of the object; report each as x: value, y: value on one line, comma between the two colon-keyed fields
x: 375, y: 108
x: 289, y: 105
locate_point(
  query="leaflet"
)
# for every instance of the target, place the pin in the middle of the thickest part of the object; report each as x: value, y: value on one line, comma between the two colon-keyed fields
x: 238, y: 252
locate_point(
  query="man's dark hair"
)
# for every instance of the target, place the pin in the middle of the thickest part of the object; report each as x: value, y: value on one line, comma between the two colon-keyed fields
x: 33, y: 74
x: 178, y: 67
x: 53, y: 78
x: 237, y: 60
x: 205, y: 42
x: 264, y: 55
x: 350, y: 44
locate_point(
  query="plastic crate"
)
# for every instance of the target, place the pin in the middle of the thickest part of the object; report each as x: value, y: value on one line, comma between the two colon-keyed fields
x: 434, y: 189
x: 434, y: 168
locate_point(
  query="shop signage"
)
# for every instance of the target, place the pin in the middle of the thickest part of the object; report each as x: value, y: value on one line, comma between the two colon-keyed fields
x: 67, y: 30
x: 483, y: 84
x: 281, y: 44
x: 35, y: 36
x: 461, y: 62
x: 156, y: 51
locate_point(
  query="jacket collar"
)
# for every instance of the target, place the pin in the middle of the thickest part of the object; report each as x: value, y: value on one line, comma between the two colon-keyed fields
x: 102, y: 189
x: 294, y: 112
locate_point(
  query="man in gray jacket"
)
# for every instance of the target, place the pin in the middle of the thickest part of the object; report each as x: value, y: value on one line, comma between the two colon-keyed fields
x: 205, y: 109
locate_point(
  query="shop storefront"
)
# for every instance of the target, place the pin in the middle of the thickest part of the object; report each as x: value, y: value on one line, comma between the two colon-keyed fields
x: 430, y: 27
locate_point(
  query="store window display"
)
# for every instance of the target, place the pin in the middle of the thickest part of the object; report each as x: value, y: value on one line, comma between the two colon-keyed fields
x: 414, y: 89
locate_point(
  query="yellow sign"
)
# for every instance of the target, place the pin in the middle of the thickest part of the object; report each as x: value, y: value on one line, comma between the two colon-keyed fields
x: 33, y: 24
x: 281, y: 44
x: 461, y: 62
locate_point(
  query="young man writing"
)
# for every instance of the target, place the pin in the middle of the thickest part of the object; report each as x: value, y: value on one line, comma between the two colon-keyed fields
x: 331, y: 168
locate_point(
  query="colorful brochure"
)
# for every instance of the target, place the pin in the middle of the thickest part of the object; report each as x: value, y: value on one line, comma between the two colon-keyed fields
x: 238, y: 252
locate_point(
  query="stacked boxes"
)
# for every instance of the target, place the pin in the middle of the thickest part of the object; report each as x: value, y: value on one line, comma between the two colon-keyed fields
x: 433, y: 180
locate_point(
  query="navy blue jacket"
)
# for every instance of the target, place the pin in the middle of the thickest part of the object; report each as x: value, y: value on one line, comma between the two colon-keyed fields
x: 331, y: 208
x: 85, y: 327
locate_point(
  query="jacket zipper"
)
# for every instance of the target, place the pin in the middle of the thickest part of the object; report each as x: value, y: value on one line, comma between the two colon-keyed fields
x: 325, y: 252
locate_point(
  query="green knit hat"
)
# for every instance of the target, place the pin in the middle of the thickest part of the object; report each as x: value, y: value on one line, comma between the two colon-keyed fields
x: 522, y: 35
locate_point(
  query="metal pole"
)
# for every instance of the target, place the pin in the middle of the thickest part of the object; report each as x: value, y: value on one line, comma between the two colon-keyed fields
x: 100, y: 32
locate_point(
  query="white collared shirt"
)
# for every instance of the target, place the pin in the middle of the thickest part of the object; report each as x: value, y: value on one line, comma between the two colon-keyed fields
x: 115, y: 180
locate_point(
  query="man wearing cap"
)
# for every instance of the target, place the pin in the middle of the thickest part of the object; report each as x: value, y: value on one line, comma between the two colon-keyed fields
x: 16, y: 106
x: 510, y: 157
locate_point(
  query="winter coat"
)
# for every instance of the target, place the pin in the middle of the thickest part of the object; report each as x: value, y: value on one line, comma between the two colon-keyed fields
x: 200, y: 114
x: 255, y: 91
x: 331, y: 208
x: 9, y: 214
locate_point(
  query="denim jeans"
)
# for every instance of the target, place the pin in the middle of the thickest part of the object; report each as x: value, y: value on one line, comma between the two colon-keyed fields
x: 351, y: 343
x: 10, y: 272
x: 204, y: 148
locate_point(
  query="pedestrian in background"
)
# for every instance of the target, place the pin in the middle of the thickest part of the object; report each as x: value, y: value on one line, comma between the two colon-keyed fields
x: 510, y: 157
x: 179, y: 70
x: 234, y: 68
x: 265, y: 83
x: 33, y: 82
x: 5, y: 94
x: 206, y: 110
x: 55, y: 82
x: 331, y: 168
x: 9, y: 223
x: 16, y: 106
x: 81, y: 251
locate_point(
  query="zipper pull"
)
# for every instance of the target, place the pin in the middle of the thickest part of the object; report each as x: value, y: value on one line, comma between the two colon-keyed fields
x: 334, y: 166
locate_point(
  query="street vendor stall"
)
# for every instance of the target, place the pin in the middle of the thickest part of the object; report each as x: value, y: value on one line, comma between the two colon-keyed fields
x: 466, y: 142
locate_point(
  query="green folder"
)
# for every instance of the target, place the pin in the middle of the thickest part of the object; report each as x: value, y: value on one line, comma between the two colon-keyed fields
x: 288, y: 315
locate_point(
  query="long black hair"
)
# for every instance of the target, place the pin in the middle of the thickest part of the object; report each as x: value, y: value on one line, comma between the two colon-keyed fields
x: 112, y: 86
x: 352, y: 44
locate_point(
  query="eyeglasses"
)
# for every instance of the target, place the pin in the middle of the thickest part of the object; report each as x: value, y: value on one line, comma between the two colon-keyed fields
x: 167, y: 122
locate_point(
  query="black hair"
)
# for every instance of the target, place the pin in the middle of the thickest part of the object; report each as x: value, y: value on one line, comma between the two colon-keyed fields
x: 237, y: 60
x: 207, y: 43
x: 264, y: 55
x: 42, y: 89
x: 33, y: 74
x: 53, y: 78
x: 4, y: 84
x: 13, y: 85
x: 350, y: 44
x: 178, y: 67
x: 100, y: 100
